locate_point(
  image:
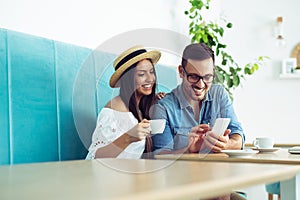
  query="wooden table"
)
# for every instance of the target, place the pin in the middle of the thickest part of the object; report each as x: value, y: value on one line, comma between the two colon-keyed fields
x: 280, y: 157
x: 134, y: 179
x: 288, y: 187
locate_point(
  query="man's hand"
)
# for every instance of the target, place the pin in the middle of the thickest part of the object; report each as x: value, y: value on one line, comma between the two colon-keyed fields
x: 195, y: 137
x: 216, y: 143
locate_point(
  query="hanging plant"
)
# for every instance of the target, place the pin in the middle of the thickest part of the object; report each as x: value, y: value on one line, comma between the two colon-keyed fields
x: 229, y: 73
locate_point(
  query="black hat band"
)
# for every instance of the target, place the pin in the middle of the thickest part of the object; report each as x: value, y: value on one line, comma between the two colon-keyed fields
x: 129, y: 56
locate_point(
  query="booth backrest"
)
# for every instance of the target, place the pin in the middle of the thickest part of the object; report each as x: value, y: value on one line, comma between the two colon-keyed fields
x: 36, y: 84
x: 50, y: 94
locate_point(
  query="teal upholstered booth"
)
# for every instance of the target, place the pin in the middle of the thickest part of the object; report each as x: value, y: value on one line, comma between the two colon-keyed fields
x: 50, y: 94
x: 36, y: 81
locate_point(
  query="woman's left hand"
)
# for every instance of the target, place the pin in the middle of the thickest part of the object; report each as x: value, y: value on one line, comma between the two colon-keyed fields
x: 160, y: 95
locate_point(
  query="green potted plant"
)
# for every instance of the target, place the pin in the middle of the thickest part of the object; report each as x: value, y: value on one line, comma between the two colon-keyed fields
x: 229, y: 73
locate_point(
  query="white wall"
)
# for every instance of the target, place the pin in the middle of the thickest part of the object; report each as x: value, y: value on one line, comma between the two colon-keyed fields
x: 87, y: 23
x: 266, y: 105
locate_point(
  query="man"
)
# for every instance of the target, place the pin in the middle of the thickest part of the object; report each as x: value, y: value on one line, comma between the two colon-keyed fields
x: 192, y: 107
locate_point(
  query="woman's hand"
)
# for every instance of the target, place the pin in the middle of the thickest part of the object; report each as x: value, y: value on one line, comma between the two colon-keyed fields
x: 160, y: 95
x: 139, y: 131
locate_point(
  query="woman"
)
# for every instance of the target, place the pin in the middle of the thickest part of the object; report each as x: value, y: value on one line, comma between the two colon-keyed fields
x: 123, y: 124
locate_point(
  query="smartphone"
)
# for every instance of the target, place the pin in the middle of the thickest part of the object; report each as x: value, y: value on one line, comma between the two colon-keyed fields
x: 220, y: 125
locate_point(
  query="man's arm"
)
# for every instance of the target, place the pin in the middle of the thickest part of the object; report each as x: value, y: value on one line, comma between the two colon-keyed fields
x: 235, y: 141
x: 161, y: 142
x: 194, y: 141
x: 236, y: 136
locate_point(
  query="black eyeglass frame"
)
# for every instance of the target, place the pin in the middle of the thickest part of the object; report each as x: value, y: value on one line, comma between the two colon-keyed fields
x: 196, y: 76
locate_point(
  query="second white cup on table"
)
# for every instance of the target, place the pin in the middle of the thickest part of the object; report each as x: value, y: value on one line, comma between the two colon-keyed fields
x: 263, y: 142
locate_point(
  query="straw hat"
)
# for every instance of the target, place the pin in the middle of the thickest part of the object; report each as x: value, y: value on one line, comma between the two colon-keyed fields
x: 130, y: 57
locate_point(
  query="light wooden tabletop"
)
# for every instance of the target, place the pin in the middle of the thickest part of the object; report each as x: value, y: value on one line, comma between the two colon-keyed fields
x: 282, y: 156
x: 282, y: 145
x: 134, y: 179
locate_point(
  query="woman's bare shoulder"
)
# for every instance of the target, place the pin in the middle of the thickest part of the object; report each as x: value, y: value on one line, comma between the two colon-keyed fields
x: 117, y: 104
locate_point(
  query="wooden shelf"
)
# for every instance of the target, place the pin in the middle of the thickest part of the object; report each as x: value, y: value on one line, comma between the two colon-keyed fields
x: 289, y: 76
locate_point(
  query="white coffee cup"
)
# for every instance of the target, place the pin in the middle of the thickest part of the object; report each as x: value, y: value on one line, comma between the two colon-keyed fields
x: 157, y: 126
x: 263, y: 142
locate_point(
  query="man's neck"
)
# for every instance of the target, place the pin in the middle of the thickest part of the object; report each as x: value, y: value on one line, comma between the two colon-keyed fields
x: 196, y: 105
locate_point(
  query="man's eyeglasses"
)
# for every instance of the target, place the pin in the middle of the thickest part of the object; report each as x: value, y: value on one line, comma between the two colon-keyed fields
x: 195, y: 78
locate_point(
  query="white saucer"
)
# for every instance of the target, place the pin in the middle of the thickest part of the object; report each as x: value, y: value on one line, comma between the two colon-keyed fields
x: 265, y: 150
x: 240, y: 153
x: 294, y: 150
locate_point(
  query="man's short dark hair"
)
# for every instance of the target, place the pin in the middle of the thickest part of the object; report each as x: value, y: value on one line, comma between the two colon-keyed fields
x: 197, y: 51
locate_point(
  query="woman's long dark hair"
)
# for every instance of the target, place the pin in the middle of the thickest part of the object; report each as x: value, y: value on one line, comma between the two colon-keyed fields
x: 128, y: 94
